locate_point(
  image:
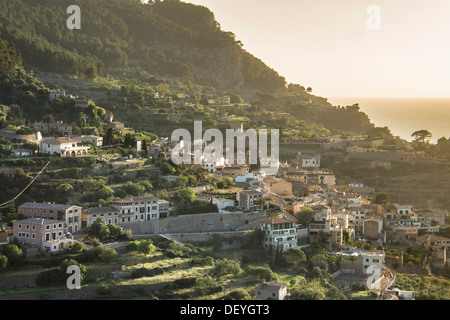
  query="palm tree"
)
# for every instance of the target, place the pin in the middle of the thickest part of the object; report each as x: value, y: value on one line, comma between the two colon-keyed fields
x: 340, y: 258
x: 48, y: 119
x: 352, y: 259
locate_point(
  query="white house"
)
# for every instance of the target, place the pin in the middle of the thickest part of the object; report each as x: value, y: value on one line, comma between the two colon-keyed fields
x: 139, y: 209
x: 96, y: 140
x: 64, y: 146
x: 309, y: 161
x: 53, y: 94
x: 222, y: 204
x: 367, y: 262
x: 21, y: 152
x: 404, y: 209
x: 279, y: 233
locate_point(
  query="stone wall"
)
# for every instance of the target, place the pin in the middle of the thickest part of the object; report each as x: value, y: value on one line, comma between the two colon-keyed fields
x: 204, y: 222
x: 231, y: 239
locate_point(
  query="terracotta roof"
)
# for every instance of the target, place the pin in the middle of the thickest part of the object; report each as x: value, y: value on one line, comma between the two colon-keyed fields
x: 60, y: 140
x: 271, y: 286
x: 431, y: 237
x: 277, y: 221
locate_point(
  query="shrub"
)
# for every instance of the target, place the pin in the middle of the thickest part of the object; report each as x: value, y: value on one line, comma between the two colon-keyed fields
x: 3, y: 262
x: 239, y: 294
x: 13, y: 253
x: 206, y: 261
x: 104, y: 289
x: 262, y: 273
x: 185, y: 283
x: 77, y: 247
x: 146, y: 246
x: 96, y: 243
x: 144, y: 272
x: 56, y: 277
x: 133, y: 246
x: 107, y: 254
x: 227, y: 266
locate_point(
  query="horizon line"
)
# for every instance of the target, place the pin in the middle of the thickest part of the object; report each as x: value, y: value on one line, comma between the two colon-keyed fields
x: 386, y: 97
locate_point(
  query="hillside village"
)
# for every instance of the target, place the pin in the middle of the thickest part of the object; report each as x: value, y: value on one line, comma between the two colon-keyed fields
x: 302, y: 207
x: 88, y: 178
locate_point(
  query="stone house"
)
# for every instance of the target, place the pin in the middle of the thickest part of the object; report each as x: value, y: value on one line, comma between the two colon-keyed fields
x: 271, y: 290
x: 69, y: 214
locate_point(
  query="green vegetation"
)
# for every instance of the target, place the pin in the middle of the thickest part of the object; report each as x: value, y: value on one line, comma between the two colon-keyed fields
x: 102, y: 231
x: 425, y: 287
x: 175, y: 271
x: 122, y: 33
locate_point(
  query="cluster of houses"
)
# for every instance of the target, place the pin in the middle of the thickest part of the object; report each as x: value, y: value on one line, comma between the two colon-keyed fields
x: 57, y: 138
x: 337, y: 214
x: 49, y: 227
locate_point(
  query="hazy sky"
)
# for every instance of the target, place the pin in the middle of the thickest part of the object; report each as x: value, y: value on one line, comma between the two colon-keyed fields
x: 326, y: 44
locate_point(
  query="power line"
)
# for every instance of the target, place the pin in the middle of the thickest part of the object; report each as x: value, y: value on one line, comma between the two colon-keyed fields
x: 8, y: 202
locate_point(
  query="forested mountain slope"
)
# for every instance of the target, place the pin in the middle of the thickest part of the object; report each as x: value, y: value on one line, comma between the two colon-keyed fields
x: 168, y: 38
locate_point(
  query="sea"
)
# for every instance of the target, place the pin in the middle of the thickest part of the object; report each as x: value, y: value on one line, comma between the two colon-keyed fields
x: 403, y: 116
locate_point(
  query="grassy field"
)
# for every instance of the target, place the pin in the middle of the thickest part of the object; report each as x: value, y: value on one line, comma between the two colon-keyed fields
x: 174, y: 269
x: 425, y: 287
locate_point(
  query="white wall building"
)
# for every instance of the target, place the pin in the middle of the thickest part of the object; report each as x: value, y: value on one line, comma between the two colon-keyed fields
x: 310, y: 161
x: 64, y: 146
x: 279, y: 233
x: 138, y: 209
x: 222, y: 204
